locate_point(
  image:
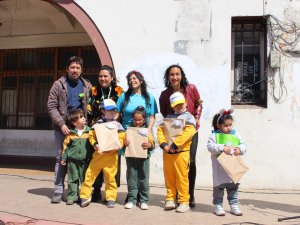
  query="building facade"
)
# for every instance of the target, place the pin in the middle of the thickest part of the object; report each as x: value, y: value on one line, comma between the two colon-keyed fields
x: 240, y: 54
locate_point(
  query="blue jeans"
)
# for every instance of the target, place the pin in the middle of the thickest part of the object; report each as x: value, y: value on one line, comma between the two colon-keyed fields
x: 60, y: 170
x: 232, y: 193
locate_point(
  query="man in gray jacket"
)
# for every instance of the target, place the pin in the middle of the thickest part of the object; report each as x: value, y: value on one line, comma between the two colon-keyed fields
x: 71, y: 91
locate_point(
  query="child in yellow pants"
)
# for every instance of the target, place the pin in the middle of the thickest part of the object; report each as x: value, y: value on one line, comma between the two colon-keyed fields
x: 108, y: 161
x: 176, y: 164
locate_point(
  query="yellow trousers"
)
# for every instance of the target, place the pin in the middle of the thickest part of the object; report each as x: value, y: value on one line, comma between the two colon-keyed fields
x: 176, y: 171
x: 107, y: 161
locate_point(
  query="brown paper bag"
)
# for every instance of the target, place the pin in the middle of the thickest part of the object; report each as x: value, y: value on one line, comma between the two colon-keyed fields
x: 233, y: 165
x: 108, y: 139
x: 134, y: 149
x: 171, y: 131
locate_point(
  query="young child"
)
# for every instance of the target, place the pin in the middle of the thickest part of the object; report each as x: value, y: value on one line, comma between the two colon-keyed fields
x: 78, y: 151
x: 137, y: 168
x: 222, y: 123
x: 176, y: 164
x: 108, y: 161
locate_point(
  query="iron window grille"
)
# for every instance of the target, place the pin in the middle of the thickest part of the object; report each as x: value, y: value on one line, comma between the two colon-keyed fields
x: 248, y: 64
x: 26, y: 77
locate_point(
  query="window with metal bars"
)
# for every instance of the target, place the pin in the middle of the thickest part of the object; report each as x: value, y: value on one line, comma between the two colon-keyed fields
x: 26, y: 77
x: 248, y: 61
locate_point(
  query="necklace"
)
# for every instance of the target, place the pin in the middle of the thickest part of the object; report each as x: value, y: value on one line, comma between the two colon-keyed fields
x: 179, y: 90
x: 108, y: 93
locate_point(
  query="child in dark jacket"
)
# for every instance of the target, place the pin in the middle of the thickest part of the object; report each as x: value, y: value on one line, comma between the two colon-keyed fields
x: 77, y: 150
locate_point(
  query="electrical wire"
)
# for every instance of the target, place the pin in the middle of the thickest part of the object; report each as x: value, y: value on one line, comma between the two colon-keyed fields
x: 25, y: 16
x: 283, y: 37
x: 10, y: 19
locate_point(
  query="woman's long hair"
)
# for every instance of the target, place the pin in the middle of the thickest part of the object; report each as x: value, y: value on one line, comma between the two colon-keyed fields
x: 183, y: 83
x: 143, y: 88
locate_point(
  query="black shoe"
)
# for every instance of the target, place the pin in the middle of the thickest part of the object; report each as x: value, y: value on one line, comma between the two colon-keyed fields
x: 192, y: 202
x: 96, y: 196
x: 57, y: 198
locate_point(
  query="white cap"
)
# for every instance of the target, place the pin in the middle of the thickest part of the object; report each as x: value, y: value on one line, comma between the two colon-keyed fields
x: 108, y: 104
x: 176, y: 98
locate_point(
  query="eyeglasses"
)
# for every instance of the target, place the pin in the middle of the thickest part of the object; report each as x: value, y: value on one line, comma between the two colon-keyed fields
x: 137, y: 120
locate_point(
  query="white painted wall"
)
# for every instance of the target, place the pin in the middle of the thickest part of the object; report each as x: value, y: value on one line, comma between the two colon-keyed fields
x: 27, y: 143
x: 141, y: 35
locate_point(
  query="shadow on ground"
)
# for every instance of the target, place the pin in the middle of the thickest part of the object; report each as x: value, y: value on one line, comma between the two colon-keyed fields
x: 271, y: 205
x: 48, y: 192
x: 155, y: 199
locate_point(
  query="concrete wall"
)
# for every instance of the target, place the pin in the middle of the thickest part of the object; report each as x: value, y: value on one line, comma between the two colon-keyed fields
x: 151, y: 35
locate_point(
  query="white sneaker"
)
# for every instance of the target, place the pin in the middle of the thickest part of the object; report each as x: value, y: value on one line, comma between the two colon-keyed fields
x: 129, y: 205
x: 235, y: 209
x: 182, y: 208
x: 144, y: 206
x: 219, y: 211
x: 170, y: 205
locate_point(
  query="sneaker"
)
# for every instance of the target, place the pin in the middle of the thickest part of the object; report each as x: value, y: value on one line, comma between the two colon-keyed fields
x: 70, y: 202
x: 183, y: 208
x: 110, y: 204
x: 85, y: 202
x: 170, y: 205
x: 219, y: 211
x: 144, y: 206
x: 129, y: 205
x: 57, y: 198
x: 235, y: 209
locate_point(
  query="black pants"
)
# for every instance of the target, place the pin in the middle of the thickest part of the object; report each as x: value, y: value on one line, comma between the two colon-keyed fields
x: 193, y: 169
x: 99, y: 180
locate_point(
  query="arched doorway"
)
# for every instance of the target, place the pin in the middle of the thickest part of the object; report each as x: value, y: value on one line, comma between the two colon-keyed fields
x: 88, y: 25
x: 36, y: 39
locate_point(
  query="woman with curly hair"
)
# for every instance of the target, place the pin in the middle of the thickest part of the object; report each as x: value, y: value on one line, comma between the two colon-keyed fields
x: 136, y: 95
x: 175, y: 81
x: 107, y: 89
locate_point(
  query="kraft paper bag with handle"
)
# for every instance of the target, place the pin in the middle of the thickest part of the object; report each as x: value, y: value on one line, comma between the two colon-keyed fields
x: 172, y: 131
x: 107, y: 136
x: 233, y: 165
x: 135, y: 149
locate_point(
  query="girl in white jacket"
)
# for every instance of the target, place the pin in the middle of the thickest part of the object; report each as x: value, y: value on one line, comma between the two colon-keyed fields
x: 222, y: 123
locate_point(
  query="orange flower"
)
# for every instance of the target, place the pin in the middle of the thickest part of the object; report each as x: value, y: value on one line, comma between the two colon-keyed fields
x: 119, y: 90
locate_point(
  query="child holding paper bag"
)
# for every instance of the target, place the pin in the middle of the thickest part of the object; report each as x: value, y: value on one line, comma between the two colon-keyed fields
x: 222, y: 124
x: 102, y: 159
x: 176, y: 153
x: 138, y: 168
